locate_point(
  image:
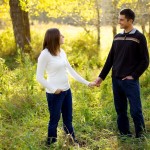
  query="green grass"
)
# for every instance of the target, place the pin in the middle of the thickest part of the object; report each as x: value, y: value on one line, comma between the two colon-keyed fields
x: 24, y: 119
x: 23, y: 108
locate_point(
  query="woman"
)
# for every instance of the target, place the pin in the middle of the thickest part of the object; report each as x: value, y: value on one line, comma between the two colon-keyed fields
x: 54, y: 61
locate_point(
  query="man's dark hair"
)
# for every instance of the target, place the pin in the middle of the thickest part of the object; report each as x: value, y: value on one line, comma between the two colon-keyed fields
x: 129, y: 14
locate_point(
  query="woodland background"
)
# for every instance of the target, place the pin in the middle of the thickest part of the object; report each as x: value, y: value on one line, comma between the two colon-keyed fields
x: 89, y: 27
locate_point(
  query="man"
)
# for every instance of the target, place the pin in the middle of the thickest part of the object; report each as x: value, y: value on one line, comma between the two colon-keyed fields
x: 128, y: 59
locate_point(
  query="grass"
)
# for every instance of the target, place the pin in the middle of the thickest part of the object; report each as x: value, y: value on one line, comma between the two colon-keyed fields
x: 24, y: 115
x: 24, y: 126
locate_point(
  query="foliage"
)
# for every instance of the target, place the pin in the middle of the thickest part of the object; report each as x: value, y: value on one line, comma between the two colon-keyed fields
x: 23, y: 108
x: 82, y: 12
x: 8, y: 46
x: 129, y: 2
x: 17, y: 98
x: 24, y: 114
x: 7, y: 43
x: 36, y: 44
x: 83, y: 51
x: 83, y: 45
x: 4, y: 9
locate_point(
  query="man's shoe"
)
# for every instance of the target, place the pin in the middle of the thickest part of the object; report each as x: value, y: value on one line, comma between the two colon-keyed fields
x: 139, y: 135
x: 124, y: 137
x: 128, y: 134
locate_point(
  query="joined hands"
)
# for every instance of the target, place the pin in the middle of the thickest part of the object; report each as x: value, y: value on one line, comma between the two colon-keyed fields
x: 97, y: 82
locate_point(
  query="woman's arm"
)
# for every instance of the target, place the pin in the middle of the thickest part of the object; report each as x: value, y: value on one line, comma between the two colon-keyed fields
x: 41, y: 66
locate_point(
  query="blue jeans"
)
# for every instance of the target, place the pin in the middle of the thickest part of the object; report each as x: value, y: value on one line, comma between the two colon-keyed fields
x: 123, y: 90
x: 57, y: 104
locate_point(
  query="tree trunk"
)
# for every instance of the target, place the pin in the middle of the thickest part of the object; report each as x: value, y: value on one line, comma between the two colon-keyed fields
x: 149, y: 30
x: 98, y: 34
x: 143, y: 28
x: 114, y: 28
x: 114, y: 15
x: 98, y: 23
x: 21, y: 27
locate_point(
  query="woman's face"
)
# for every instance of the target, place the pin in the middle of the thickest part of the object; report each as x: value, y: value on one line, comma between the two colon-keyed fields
x: 61, y: 39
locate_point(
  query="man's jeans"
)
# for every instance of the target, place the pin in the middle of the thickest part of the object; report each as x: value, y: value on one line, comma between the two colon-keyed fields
x: 123, y: 90
x: 57, y: 104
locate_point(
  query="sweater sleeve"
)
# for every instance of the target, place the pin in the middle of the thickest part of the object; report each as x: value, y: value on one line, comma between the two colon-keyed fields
x: 144, y: 58
x: 108, y: 64
x: 74, y: 74
x: 41, y: 66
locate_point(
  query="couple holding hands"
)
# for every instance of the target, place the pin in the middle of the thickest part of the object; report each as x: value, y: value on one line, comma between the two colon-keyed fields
x: 128, y: 58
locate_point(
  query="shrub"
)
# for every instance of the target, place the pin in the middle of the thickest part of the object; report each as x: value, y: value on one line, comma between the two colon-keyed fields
x: 83, y: 51
x: 36, y: 44
x: 7, y: 43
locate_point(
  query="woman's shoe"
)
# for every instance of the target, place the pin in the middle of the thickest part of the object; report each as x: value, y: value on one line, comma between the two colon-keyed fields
x: 50, y: 141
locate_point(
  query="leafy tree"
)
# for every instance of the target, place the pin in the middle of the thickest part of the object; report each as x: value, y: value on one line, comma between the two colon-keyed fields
x: 84, y: 13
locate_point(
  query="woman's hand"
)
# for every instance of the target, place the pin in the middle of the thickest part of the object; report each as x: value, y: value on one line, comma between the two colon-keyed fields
x: 92, y: 84
x: 58, y: 91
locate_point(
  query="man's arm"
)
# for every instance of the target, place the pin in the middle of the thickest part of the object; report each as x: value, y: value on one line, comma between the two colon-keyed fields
x: 144, y: 58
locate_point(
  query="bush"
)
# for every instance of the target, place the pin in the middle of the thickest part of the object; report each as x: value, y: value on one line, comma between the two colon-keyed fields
x: 7, y: 43
x: 83, y: 51
x: 36, y: 44
x: 17, y: 87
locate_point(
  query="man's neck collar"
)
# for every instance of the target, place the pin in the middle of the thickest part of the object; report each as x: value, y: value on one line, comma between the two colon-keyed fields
x: 130, y: 32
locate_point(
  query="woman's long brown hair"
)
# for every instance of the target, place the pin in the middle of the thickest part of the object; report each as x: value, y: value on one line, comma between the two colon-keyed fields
x: 52, y: 41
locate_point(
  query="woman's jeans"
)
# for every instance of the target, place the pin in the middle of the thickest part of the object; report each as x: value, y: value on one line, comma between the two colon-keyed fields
x: 123, y: 90
x: 57, y: 104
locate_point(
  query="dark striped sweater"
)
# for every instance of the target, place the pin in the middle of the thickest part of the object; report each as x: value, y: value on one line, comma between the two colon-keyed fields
x: 128, y: 56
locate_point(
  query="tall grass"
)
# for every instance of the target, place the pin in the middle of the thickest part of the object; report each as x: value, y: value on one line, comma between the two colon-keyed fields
x: 23, y: 108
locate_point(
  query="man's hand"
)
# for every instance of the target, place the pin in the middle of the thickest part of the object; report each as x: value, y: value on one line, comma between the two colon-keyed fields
x: 98, y: 81
x: 58, y: 91
x: 128, y: 78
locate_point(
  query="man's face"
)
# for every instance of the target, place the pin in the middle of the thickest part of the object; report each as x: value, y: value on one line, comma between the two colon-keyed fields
x: 124, y: 22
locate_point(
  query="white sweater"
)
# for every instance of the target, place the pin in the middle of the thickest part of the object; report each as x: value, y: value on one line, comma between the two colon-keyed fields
x: 56, y: 68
